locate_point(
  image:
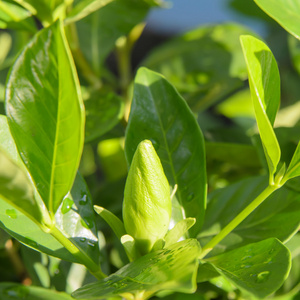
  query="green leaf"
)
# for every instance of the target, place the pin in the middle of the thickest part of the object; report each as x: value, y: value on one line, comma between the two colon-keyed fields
x: 10, y: 291
x: 16, y: 189
x: 75, y: 218
x: 176, y: 137
x: 294, y: 50
x: 264, y: 84
x: 258, y: 268
x: 15, y: 17
x: 113, y: 221
x: 284, y: 12
x: 45, y: 114
x: 294, y: 166
x: 103, y: 112
x: 174, y: 268
x: 178, y: 231
x: 205, y: 64
x: 264, y: 222
x: 84, y: 8
x: 106, y: 25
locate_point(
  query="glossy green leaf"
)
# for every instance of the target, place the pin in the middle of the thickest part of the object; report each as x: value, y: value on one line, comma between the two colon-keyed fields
x: 205, y: 65
x: 10, y: 291
x: 174, y: 268
x: 84, y: 8
x: 176, y: 137
x: 16, y: 188
x: 264, y: 222
x: 264, y: 84
x: 178, y: 231
x: 291, y: 285
x: 103, y: 112
x: 113, y: 221
x: 15, y: 17
x: 294, y: 167
x: 294, y: 49
x: 45, y: 114
x: 285, y: 12
x: 75, y: 218
x: 106, y: 25
x: 258, y: 268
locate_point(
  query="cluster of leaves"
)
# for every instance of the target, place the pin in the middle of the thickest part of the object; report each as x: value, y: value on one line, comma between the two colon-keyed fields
x: 64, y: 122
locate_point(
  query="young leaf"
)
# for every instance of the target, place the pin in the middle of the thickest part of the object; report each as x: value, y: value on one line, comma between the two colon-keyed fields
x: 177, y: 139
x: 264, y: 84
x: 284, y: 12
x: 174, y: 268
x: 258, y: 268
x: 113, y: 221
x: 265, y: 222
x: 46, y: 115
x: 84, y: 8
x: 10, y: 291
x: 178, y: 231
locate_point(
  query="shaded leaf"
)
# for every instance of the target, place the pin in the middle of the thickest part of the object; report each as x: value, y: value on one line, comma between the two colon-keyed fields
x: 173, y: 268
x: 264, y: 84
x: 103, y: 112
x: 205, y: 65
x: 284, y: 12
x: 45, y: 114
x: 258, y: 268
x: 264, y: 222
x: 176, y: 137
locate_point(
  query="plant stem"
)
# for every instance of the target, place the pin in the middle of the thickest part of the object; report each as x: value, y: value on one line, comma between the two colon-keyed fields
x: 79, y: 58
x: 86, y: 260
x: 238, y: 219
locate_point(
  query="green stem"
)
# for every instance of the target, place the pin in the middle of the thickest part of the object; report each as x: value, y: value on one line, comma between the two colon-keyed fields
x: 238, y: 219
x: 86, y: 260
x: 79, y: 58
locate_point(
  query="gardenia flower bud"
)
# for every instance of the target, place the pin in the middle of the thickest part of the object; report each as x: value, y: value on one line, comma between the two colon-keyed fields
x: 147, y: 202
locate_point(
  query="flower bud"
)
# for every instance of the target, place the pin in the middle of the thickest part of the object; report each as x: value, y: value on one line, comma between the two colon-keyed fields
x: 147, y: 202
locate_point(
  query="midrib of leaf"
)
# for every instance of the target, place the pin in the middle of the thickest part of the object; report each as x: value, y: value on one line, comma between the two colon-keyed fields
x: 53, y: 165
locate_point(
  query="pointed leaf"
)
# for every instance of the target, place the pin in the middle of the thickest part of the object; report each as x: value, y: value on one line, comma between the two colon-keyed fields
x: 284, y: 12
x: 178, y: 231
x: 264, y: 222
x: 174, y: 268
x: 113, y: 221
x: 84, y: 8
x: 177, y: 139
x: 264, y: 84
x: 45, y: 114
x: 258, y: 268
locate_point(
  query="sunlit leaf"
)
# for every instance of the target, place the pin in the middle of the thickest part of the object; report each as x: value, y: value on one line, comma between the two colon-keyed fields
x: 176, y: 137
x: 173, y: 268
x: 258, y: 268
x: 45, y: 114
x: 264, y: 84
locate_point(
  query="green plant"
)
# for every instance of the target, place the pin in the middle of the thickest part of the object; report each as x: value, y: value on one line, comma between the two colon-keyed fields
x: 239, y: 244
